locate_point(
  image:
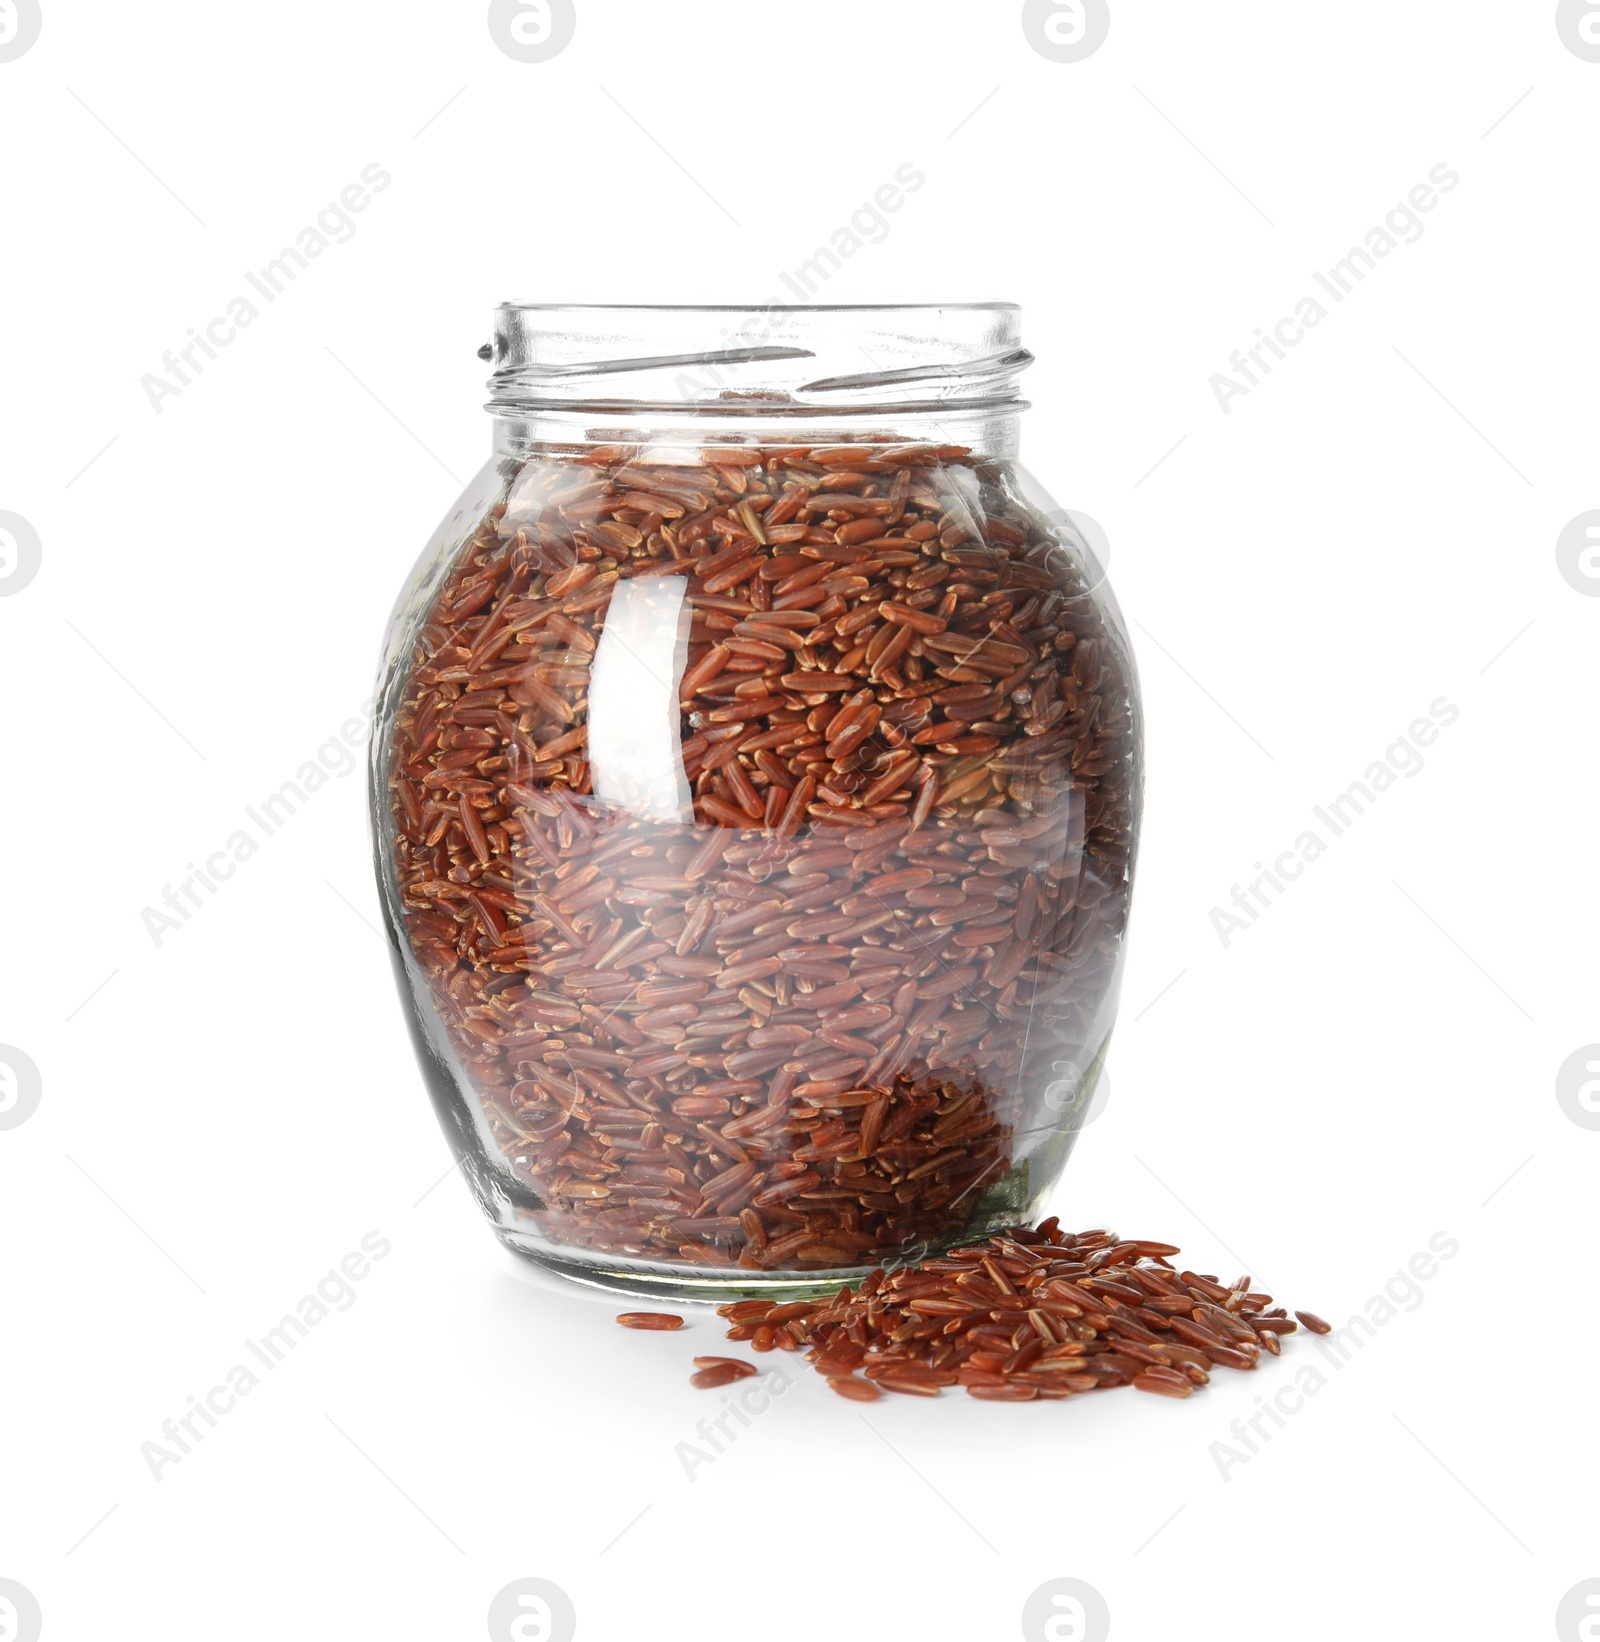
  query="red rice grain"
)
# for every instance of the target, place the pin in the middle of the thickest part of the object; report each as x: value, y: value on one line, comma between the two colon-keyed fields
x: 708, y: 1379
x: 856, y: 1391
x: 741, y: 1369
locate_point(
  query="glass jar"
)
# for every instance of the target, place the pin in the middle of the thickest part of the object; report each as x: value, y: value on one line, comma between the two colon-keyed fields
x: 755, y: 792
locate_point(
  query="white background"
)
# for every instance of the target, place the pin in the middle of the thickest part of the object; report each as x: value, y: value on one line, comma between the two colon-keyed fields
x: 1370, y: 1063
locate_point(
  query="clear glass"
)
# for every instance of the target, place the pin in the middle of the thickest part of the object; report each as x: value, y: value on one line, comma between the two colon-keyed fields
x: 755, y: 796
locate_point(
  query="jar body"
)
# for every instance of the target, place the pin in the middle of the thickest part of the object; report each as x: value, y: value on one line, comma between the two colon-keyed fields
x: 755, y: 825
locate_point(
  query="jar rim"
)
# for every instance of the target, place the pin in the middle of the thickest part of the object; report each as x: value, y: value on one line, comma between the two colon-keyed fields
x: 770, y: 359
x: 760, y: 307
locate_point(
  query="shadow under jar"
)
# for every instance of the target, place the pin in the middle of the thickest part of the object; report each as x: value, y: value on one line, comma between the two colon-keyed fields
x: 755, y: 793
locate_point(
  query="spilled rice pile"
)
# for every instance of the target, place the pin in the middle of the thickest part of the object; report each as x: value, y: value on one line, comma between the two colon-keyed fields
x: 1032, y: 1313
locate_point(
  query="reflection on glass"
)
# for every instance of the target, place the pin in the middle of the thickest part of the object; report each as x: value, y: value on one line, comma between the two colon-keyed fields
x: 635, y: 755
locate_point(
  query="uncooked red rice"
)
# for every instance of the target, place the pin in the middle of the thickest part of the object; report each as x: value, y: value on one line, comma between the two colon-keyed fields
x: 1029, y: 1314
x: 811, y: 1027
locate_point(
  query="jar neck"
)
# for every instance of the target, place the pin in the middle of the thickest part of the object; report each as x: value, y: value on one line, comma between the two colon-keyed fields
x: 991, y: 431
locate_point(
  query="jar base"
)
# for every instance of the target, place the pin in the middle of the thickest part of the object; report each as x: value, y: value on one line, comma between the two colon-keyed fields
x: 644, y: 1279
x: 647, y: 1280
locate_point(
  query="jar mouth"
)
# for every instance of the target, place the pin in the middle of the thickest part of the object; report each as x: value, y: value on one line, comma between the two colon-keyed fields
x: 768, y: 360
